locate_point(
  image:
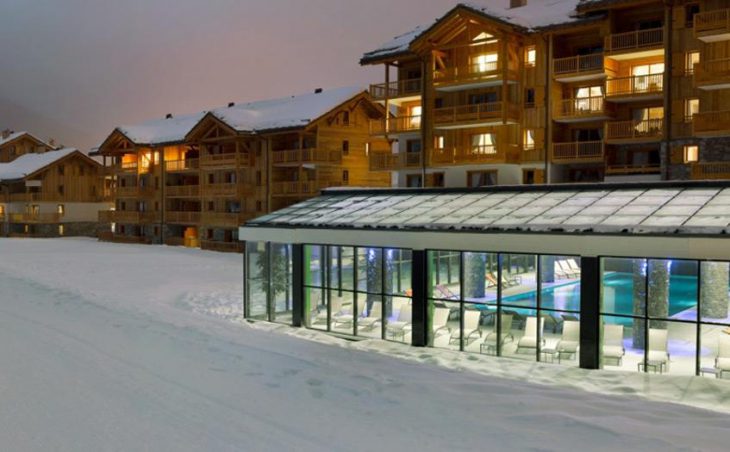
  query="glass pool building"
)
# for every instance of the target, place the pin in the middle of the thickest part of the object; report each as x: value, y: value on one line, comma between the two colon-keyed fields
x: 632, y: 277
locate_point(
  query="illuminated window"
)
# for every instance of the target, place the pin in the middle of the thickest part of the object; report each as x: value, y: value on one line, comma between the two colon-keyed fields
x: 438, y: 142
x: 485, y: 63
x: 589, y: 98
x: 691, y: 108
x: 60, y: 229
x: 2, y: 210
x: 528, y: 139
x: 691, y: 59
x: 691, y: 154
x: 61, y: 209
x: 483, y: 36
x: 483, y: 143
x: 648, y: 77
x: 414, y: 114
x: 530, y: 56
x: 367, y: 149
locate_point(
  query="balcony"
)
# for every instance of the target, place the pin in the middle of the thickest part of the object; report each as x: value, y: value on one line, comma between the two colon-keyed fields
x: 578, y: 152
x: 635, y: 88
x: 530, y: 156
x: 582, y: 109
x: 224, y: 247
x: 712, y: 74
x: 387, y: 161
x: 182, y: 217
x: 402, y: 90
x: 711, y: 170
x: 472, y: 76
x: 125, y: 216
x: 476, y: 115
x: 224, y: 219
x: 183, y: 191
x: 635, y: 44
x: 302, y: 188
x: 400, y: 124
x: 35, y: 218
x: 468, y: 155
x: 182, y: 166
x: 229, y: 190
x: 633, y: 170
x: 295, y: 157
x: 626, y: 132
x: 106, y: 216
x: 712, y: 123
x: 579, y: 68
x: 126, y: 167
x: 712, y: 26
x: 224, y: 161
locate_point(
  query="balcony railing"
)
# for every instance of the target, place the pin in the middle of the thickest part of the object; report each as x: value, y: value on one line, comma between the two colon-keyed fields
x: 472, y: 73
x: 469, y: 154
x: 581, y: 108
x: 635, y: 40
x: 304, y: 156
x: 221, y: 190
x: 183, y: 217
x: 182, y: 165
x: 531, y: 155
x: 227, y: 160
x: 400, y: 88
x: 636, y: 85
x: 106, y: 216
x: 630, y: 170
x: 493, y: 112
x: 400, y: 124
x: 35, y: 217
x: 225, y: 247
x: 577, y: 152
x: 712, y: 26
x: 183, y: 191
x: 383, y: 161
x: 712, y: 73
x: 223, y: 219
x: 126, y: 216
x: 302, y: 188
x: 578, y: 65
x: 712, y: 122
x: 711, y: 170
x: 126, y: 167
x: 645, y: 130
x: 127, y: 192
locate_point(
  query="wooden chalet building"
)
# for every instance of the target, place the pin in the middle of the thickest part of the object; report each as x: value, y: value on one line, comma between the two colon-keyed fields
x: 50, y: 193
x: 15, y: 144
x: 192, y: 180
x: 527, y: 91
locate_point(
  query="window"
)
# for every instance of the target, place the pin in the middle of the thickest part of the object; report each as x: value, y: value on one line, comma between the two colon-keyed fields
x: 81, y: 170
x: 413, y: 180
x: 691, y: 107
x: 438, y: 102
x: 61, y: 209
x: 60, y: 230
x: 648, y: 77
x: 483, y: 143
x: 345, y: 176
x: 483, y: 98
x: 61, y: 170
x: 367, y: 149
x: 589, y: 98
x: 345, y: 118
x: 530, y: 98
x: 61, y: 190
x: 258, y: 179
x: 439, y: 142
x: 481, y: 178
x: 345, y: 147
x: 487, y: 62
x: 691, y: 153
x: 530, y: 56
x: 438, y: 180
x: 528, y: 139
x: 211, y: 206
x: 413, y: 146
x: 689, y: 14
x: 690, y: 59
x: 414, y: 113
x: 259, y: 206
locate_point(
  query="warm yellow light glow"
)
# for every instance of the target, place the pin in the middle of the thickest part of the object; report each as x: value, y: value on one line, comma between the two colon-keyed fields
x: 415, y: 116
x: 530, y: 56
x: 529, y: 139
x: 483, y: 143
x: 691, y: 154
x: 485, y: 63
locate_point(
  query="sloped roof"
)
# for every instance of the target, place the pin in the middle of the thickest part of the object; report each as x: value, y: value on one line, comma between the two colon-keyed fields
x: 660, y: 208
x: 161, y: 131
x: 17, y: 135
x: 532, y: 17
x: 30, y: 163
x: 286, y: 112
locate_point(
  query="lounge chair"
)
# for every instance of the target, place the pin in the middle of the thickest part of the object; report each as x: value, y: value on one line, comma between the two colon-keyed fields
x: 613, y: 343
x: 402, y: 325
x: 490, y: 342
x: 491, y: 280
x: 374, y: 317
x: 568, y: 344
x: 321, y: 316
x: 509, y: 280
x: 345, y: 318
x: 566, y: 268
x: 471, y: 327
x: 574, y: 265
x: 560, y: 273
x: 445, y: 292
x: 518, y: 320
x: 529, y: 340
x: 722, y: 362
x: 658, y: 354
x: 439, y: 325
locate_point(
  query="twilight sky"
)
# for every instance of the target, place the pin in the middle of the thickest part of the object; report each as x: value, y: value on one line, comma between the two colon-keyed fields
x: 74, y: 69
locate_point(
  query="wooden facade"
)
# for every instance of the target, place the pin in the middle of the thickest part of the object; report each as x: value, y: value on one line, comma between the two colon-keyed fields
x: 16, y: 144
x: 621, y: 91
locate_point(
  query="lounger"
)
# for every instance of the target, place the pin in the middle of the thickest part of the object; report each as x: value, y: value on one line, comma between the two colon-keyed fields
x: 321, y: 317
x: 490, y: 342
x: 658, y: 341
x: 445, y: 292
x: 439, y: 325
x: 574, y: 265
x: 471, y: 327
x: 722, y: 362
x: 345, y: 317
x: 613, y: 343
x: 374, y: 317
x: 559, y: 272
x: 402, y: 325
x: 566, y: 268
x: 529, y: 340
x: 568, y: 344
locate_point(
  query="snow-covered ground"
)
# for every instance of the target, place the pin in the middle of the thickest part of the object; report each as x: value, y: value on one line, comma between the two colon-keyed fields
x: 124, y: 347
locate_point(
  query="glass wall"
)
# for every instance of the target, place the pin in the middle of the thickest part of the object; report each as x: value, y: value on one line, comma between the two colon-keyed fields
x: 490, y: 303
x: 360, y: 291
x: 269, y: 282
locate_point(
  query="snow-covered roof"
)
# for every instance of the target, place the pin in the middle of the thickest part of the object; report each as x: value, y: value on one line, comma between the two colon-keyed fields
x: 286, y: 112
x: 535, y: 15
x: 15, y: 135
x: 30, y: 163
x: 693, y: 209
x: 161, y: 131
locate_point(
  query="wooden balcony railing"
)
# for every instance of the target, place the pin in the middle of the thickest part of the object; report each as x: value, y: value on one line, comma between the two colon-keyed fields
x: 225, y: 247
x: 383, y: 161
x: 302, y: 188
x: 182, y: 165
x: 630, y: 170
x: 126, y: 167
x: 127, y: 192
x: 577, y: 152
x: 712, y: 122
x: 400, y: 124
x: 400, y: 88
x: 477, y: 113
x: 126, y: 216
x: 711, y: 170
x: 35, y: 217
x: 470, y: 154
x: 183, y: 191
x: 183, y: 217
x: 636, y: 85
x: 106, y: 216
x: 578, y: 65
x: 221, y: 190
x: 712, y: 73
x: 223, y: 219
x: 634, y: 40
x: 646, y: 130
x: 228, y: 160
x: 472, y: 73
x: 533, y: 117
x: 531, y: 155
x: 581, y: 108
x: 304, y: 156
x: 710, y: 24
